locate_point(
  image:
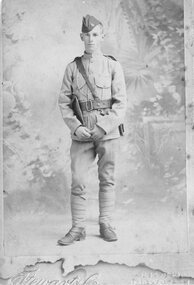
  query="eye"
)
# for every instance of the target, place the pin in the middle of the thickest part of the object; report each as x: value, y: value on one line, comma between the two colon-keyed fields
x: 95, y: 34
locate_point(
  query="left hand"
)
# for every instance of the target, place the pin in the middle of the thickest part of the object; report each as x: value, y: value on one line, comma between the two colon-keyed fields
x: 97, y: 133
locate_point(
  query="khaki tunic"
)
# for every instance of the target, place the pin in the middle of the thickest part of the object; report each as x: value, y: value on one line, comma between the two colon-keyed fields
x: 107, y: 77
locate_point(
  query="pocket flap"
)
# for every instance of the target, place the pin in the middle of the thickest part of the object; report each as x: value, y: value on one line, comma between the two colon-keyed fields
x: 103, y: 81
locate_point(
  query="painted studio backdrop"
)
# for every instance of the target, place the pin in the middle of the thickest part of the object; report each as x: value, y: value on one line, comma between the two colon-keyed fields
x: 39, y: 39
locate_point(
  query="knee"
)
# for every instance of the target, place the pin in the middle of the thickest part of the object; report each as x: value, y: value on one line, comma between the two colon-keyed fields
x: 107, y: 179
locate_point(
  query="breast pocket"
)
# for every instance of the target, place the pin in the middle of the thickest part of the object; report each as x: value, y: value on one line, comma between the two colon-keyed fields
x: 103, y: 84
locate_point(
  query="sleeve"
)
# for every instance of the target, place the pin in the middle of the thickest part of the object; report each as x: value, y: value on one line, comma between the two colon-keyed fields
x: 64, y: 101
x: 119, y: 99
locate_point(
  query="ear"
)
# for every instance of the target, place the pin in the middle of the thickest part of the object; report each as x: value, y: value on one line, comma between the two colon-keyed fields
x: 103, y: 36
x: 81, y: 36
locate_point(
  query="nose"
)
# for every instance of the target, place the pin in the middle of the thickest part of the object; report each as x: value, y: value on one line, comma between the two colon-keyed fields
x: 90, y: 38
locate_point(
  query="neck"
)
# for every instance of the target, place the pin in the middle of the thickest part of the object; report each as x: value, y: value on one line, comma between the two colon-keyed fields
x: 96, y: 52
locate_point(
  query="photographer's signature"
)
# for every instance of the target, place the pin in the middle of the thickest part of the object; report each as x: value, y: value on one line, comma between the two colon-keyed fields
x: 31, y: 279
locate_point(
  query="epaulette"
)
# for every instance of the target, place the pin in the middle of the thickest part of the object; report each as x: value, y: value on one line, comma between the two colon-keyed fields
x: 77, y: 57
x: 110, y: 56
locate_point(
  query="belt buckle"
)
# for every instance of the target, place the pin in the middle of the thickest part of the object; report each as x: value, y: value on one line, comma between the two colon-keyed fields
x: 90, y: 108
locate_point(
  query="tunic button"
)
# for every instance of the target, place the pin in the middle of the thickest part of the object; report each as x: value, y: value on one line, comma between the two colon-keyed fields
x: 98, y: 104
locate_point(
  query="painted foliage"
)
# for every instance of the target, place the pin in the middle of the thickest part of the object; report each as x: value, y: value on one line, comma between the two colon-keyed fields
x: 40, y: 38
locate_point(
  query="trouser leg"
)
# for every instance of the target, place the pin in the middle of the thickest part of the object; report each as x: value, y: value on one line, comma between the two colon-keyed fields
x: 107, y: 151
x: 82, y: 155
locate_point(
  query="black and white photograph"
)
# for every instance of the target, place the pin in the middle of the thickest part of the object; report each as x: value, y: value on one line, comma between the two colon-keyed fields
x: 94, y: 133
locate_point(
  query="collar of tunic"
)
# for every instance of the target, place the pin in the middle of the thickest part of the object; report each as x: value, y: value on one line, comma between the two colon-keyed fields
x: 95, y: 55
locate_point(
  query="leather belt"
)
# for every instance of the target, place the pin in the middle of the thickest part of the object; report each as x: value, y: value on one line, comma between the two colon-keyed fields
x: 95, y: 105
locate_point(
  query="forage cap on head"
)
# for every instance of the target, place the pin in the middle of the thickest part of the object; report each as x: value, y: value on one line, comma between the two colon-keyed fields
x: 88, y: 23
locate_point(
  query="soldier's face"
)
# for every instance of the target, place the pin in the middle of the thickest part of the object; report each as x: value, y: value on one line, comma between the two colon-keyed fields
x: 92, y: 40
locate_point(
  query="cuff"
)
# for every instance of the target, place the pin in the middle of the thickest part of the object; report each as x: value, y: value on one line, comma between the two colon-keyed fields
x: 76, y: 127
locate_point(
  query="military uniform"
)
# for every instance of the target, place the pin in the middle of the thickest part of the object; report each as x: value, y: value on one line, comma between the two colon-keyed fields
x: 106, y: 110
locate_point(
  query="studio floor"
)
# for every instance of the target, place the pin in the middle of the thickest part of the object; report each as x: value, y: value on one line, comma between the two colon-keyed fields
x: 149, y: 226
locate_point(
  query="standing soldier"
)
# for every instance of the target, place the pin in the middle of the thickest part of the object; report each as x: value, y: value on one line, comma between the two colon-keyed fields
x: 93, y: 103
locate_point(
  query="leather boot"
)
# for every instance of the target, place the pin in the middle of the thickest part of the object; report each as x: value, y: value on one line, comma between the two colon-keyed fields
x: 107, y: 232
x: 75, y: 234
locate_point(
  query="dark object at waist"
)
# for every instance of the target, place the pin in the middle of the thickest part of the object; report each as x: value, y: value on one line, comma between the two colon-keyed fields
x: 121, y: 129
x: 95, y: 105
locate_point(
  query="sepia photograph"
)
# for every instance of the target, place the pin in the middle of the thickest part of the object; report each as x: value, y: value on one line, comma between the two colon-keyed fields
x: 94, y: 134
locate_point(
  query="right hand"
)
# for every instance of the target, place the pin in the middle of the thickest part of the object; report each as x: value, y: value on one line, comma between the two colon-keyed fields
x: 82, y: 133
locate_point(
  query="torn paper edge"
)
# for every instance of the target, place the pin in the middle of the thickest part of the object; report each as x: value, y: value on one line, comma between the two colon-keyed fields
x: 175, y: 264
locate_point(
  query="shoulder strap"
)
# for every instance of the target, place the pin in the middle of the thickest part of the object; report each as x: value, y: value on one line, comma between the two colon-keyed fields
x: 110, y: 56
x: 83, y: 73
